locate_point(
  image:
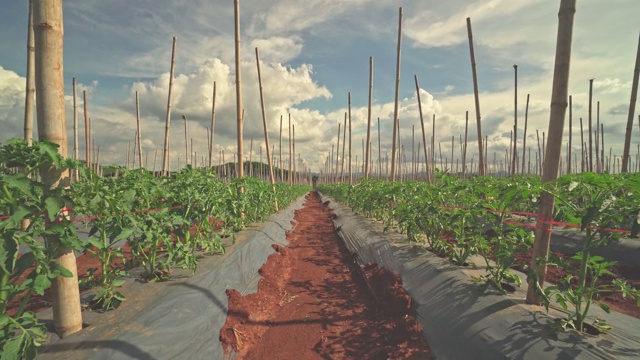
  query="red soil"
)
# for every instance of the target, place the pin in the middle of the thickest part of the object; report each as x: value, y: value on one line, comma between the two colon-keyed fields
x: 315, y: 302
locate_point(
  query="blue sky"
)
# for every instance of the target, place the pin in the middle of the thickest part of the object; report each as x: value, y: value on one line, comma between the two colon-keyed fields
x: 313, y: 53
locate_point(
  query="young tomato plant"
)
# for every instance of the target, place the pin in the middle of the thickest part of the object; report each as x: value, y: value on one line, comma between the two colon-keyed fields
x: 499, y: 254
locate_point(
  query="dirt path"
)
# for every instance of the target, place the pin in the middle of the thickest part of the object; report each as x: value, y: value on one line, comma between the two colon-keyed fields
x: 313, y: 303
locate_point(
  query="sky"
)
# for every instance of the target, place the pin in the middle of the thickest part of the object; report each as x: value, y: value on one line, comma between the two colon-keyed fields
x: 313, y: 54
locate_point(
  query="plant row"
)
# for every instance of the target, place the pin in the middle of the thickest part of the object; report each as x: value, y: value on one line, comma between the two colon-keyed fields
x: 167, y: 223
x: 461, y: 218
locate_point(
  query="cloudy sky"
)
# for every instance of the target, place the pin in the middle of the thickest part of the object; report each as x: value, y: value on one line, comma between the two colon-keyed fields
x: 313, y: 54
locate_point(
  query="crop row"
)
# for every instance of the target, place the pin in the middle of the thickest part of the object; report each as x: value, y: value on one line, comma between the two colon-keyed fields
x: 461, y: 218
x: 167, y: 222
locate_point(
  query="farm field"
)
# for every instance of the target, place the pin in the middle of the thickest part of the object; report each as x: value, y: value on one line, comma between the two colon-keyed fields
x: 173, y: 187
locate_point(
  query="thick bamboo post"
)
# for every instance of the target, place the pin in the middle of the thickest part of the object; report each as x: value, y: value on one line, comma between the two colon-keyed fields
x: 165, y: 153
x: 290, y: 155
x: 87, y: 139
x: 239, y: 116
x: 395, y: 103
x: 266, y: 130
x: 213, y: 123
x: 514, y: 164
x: 556, y: 127
x: 570, y: 134
x: 368, y: 158
x: 139, y: 135
x: 48, y: 39
x: 481, y: 167
x: 632, y: 108
x: 31, y: 81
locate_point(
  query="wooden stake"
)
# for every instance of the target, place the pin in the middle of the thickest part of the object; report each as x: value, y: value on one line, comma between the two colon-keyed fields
x: 266, y: 132
x: 139, y: 135
x: 75, y: 125
x: 514, y: 164
x: 165, y: 154
x: 632, y: 108
x: 380, y: 151
x: 344, y: 137
x: 424, y: 139
x: 570, y: 134
x: 213, y: 123
x: 239, y: 116
x: 290, y: 155
x: 350, y: 146
x: 368, y: 158
x: 337, y: 153
x: 31, y: 85
x: 481, y: 167
x: 590, y: 128
x: 396, y: 121
x: 556, y: 126
x: 87, y: 139
x: 48, y: 39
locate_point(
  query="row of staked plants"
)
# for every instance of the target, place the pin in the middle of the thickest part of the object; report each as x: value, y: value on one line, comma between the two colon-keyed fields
x: 167, y: 222
x: 462, y: 218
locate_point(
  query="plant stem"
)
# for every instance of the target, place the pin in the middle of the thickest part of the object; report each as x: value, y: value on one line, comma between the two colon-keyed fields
x: 582, y: 279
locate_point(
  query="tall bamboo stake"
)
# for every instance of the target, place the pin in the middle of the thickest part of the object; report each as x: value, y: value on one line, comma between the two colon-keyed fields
x: 350, y: 146
x: 514, y: 164
x: 239, y: 116
x: 524, y: 137
x: 367, y: 158
x: 344, y: 142
x: 155, y: 157
x: 139, y: 137
x: 424, y: 138
x: 602, y: 146
x: 379, y: 153
x: 48, y: 39
x: 590, y: 163
x: 281, y: 164
x: 266, y: 131
x: 75, y: 125
x: 481, y: 167
x: 464, y: 149
x: 632, y: 108
x: 570, y: 134
x: 251, y: 158
x: 87, y: 138
x: 433, y: 146
x: 165, y: 154
x: 31, y: 83
x: 290, y: 155
x: 396, y: 121
x: 337, y: 153
x: 582, y: 143
x: 213, y: 123
x: 556, y: 126
x: 597, y: 137
x: 294, y: 151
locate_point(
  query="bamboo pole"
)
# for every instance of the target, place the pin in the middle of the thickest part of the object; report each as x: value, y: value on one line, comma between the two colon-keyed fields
x: 433, y: 147
x: 524, y: 137
x: 350, y: 145
x: 281, y: 164
x: 464, y: 149
x: 290, y: 155
x: 396, y: 121
x: 597, y: 137
x: 250, y: 158
x: 75, y: 125
x: 139, y: 137
x: 570, y: 134
x: 556, y: 126
x: 31, y: 83
x: 481, y: 167
x: 294, y: 153
x: 128, y: 155
x: 165, y: 153
x: 632, y: 108
x: 266, y: 131
x: 514, y: 164
x: 379, y: 153
x: 602, y: 146
x: 368, y: 150
x: 337, y: 153
x: 344, y: 138
x: 424, y: 139
x: 48, y: 40
x: 155, y: 157
x: 87, y: 139
x: 213, y: 123
x: 590, y: 162
x: 239, y: 115
x: 582, y: 143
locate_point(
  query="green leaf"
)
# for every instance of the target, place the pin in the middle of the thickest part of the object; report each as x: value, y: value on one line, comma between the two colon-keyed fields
x: 8, y: 254
x: 64, y: 272
x: 118, y: 282
x: 605, y: 307
x: 41, y: 283
x: 11, y: 350
x: 53, y: 204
